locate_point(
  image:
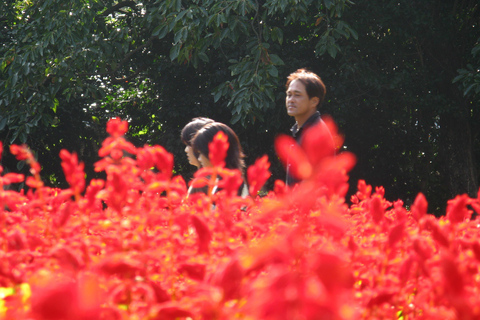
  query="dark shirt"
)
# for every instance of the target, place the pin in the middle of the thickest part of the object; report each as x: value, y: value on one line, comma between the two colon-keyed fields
x: 297, y: 133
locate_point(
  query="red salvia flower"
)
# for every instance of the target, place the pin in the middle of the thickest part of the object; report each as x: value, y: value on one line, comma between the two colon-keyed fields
x: 194, y: 271
x: 258, y: 174
x: 230, y: 181
x: 10, y: 178
x: 116, y: 127
x: 229, y: 278
x: 457, y: 210
x: 204, y: 235
x: 23, y: 153
x: 73, y: 170
x: 364, y: 190
x: 376, y: 209
x: 292, y: 154
x: 419, y: 207
x: 318, y: 141
x: 217, y: 149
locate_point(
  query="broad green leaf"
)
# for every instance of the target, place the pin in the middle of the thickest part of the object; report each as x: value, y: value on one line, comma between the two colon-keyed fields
x: 174, y: 51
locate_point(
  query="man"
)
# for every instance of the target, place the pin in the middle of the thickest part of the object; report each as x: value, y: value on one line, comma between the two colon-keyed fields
x: 305, y: 94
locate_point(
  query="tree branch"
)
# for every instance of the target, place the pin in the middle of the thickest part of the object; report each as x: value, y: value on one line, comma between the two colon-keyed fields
x: 118, y: 6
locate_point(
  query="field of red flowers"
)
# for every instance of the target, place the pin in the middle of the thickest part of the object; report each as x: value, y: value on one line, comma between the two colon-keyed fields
x: 133, y: 246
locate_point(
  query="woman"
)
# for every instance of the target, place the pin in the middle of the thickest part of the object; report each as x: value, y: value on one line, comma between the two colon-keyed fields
x: 188, y: 132
x: 234, y: 157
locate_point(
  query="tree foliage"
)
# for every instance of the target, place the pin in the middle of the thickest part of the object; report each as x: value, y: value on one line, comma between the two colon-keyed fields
x: 402, y: 79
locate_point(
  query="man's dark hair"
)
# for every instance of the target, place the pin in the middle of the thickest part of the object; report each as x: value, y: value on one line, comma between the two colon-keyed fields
x: 234, y: 158
x: 191, y: 129
x: 312, y: 82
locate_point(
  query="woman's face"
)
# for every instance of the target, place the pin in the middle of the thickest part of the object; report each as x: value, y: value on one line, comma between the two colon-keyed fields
x: 191, y: 157
x: 204, y: 161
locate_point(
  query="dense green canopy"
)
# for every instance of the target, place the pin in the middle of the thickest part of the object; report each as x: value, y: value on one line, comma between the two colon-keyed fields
x: 402, y: 80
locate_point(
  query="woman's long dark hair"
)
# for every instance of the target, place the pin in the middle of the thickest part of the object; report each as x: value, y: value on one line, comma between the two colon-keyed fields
x: 234, y: 158
x: 191, y: 128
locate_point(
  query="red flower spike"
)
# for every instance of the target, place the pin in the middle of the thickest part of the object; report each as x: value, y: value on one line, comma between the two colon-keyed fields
x: 95, y: 186
x: 17, y: 240
x: 476, y: 250
x: 419, y: 207
x: 170, y: 311
x: 63, y: 214
x: 230, y: 182
x: 396, y: 233
x: 163, y: 161
x: 74, y: 171
x: 194, y: 271
x: 258, y: 174
x: 318, y: 141
x: 161, y: 294
x: 376, y: 209
x: 120, y: 265
x: 364, y: 190
x: 280, y: 188
x: 204, y: 236
x: 381, y: 298
x: 23, y: 153
x: 405, y: 269
x: 116, y: 127
x: 10, y: 178
x: 457, y: 209
x: 400, y: 211
x: 333, y: 271
x: 229, y: 279
x: 452, y: 278
x: 34, y: 183
x: 217, y: 149
x: 291, y: 153
x: 67, y: 300
x: 20, y: 152
x: 55, y: 302
x: 437, y: 233
x: 67, y: 257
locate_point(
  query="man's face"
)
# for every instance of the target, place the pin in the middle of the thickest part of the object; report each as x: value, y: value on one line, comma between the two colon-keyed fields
x: 298, y: 103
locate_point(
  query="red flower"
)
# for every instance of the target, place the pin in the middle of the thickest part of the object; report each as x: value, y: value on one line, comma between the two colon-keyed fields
x: 258, y: 174
x: 321, y: 141
x: 23, y: 153
x: 292, y: 154
x: 419, y: 207
x: 73, y: 171
x: 230, y: 181
x: 364, y: 190
x: 10, y: 178
x: 376, y: 209
x: 116, y: 127
x: 194, y: 271
x: 204, y: 236
x: 217, y: 149
x: 457, y: 209
x: 229, y: 278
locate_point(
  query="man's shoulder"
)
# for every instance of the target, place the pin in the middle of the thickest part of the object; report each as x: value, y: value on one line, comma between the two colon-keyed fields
x: 314, y: 119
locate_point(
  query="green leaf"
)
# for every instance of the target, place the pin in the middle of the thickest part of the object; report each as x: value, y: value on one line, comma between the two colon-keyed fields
x: 174, y: 51
x: 216, y: 97
x: 55, y: 105
x: 235, y: 118
x: 275, y: 59
x: 3, y: 123
x: 273, y: 71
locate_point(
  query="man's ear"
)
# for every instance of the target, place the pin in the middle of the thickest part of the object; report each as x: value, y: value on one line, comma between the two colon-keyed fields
x: 315, y: 101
